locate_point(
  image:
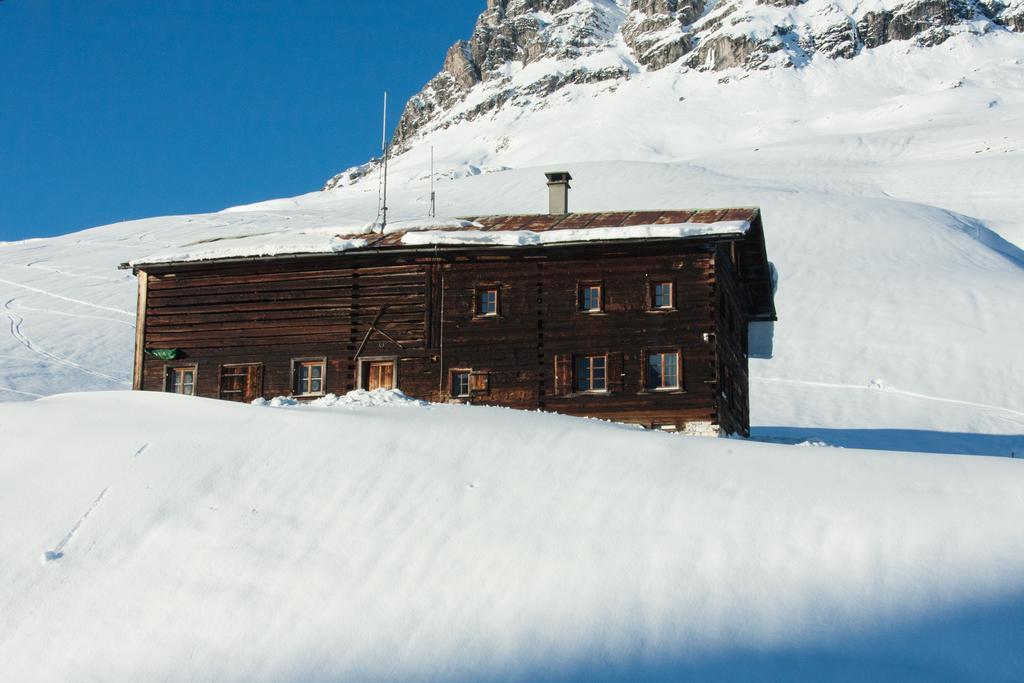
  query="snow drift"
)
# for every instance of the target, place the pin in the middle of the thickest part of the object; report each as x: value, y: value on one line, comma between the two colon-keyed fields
x: 157, y: 537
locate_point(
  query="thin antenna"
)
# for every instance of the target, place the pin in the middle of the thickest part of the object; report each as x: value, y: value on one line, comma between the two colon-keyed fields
x: 433, y: 197
x: 384, y: 147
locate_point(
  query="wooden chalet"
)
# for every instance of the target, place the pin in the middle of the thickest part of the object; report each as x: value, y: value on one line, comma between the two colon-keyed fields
x: 634, y: 316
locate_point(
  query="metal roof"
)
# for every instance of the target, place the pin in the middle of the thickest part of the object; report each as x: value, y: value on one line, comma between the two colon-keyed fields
x: 578, y: 221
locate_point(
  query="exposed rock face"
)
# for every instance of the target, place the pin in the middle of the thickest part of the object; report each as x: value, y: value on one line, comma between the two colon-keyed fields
x: 588, y: 41
x: 837, y: 41
x: 927, y: 20
x: 516, y: 33
x: 655, y: 30
x: 725, y: 51
x: 1010, y: 15
x: 460, y: 66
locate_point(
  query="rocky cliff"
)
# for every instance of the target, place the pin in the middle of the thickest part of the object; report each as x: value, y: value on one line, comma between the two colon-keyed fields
x: 520, y: 49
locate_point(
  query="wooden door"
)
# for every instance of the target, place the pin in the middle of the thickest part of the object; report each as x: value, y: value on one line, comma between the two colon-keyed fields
x: 380, y: 375
x: 242, y: 383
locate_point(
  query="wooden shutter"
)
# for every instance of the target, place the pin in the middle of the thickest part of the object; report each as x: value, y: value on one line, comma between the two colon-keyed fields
x: 241, y: 382
x: 479, y: 382
x: 615, y: 370
x: 232, y: 382
x: 381, y: 375
x: 254, y: 388
x: 563, y: 374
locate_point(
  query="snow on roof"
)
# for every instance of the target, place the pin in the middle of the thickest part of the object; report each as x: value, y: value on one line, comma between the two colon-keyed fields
x: 329, y: 240
x: 484, y: 231
x: 526, y: 238
x: 427, y: 224
x: 256, y: 246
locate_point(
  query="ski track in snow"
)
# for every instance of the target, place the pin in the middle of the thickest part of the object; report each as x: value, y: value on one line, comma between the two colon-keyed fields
x: 39, y: 265
x: 67, y: 298
x: 58, y: 552
x: 17, y: 320
x: 887, y: 390
x: 23, y: 393
x: 65, y: 314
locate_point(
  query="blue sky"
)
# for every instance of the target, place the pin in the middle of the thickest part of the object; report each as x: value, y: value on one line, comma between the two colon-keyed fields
x: 120, y: 109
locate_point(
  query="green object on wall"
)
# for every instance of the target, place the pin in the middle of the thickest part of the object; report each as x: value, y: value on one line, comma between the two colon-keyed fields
x: 163, y: 354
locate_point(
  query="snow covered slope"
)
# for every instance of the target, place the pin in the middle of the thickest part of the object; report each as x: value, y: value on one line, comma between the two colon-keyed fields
x: 320, y: 544
x: 890, y: 185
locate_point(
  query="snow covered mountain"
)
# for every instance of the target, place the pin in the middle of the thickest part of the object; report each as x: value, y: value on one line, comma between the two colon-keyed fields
x: 524, y: 48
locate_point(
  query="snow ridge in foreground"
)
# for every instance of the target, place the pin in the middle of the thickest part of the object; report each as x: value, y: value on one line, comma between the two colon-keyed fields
x: 466, y: 543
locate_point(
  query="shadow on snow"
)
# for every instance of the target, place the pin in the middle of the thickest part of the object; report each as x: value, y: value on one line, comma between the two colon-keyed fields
x: 978, y: 642
x: 908, y: 440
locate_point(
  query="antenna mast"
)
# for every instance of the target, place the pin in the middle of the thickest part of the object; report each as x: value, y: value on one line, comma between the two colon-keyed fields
x: 384, y: 148
x: 433, y: 204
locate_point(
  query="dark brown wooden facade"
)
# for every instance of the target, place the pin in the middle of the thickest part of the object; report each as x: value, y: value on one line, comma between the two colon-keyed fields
x: 411, y: 318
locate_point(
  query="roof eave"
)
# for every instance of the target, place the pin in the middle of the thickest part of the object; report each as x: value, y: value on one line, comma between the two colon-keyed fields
x: 135, y: 267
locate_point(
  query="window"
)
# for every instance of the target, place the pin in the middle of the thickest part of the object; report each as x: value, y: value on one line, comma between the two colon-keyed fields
x: 590, y: 298
x: 663, y: 370
x: 309, y: 377
x: 460, y: 383
x: 464, y: 383
x: 181, y: 380
x: 487, y: 302
x: 590, y: 373
x: 662, y: 295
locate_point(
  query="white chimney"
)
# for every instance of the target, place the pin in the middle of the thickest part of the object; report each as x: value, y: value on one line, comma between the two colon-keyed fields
x: 558, y: 192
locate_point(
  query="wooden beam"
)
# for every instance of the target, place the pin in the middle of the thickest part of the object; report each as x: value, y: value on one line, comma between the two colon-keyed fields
x: 373, y: 326
x: 140, y: 329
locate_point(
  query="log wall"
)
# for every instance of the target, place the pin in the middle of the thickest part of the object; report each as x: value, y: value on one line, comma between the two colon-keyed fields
x: 420, y: 311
